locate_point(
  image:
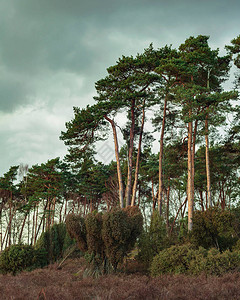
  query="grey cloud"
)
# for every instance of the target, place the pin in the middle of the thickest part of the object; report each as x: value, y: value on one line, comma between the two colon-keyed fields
x: 52, y: 51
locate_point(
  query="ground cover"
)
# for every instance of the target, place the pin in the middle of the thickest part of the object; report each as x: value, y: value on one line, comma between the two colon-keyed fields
x: 69, y: 282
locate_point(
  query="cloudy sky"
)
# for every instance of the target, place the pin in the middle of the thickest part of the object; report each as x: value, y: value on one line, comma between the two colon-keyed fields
x: 53, y: 51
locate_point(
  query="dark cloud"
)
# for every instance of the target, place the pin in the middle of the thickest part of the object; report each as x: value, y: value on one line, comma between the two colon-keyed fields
x: 52, y: 51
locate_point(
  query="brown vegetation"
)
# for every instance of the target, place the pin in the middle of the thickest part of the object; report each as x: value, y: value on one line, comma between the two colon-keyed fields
x: 69, y: 283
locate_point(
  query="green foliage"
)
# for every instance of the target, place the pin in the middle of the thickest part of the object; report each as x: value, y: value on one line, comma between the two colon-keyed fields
x: 217, y: 263
x: 186, y: 259
x: 135, y: 220
x: 153, y: 240
x: 213, y: 228
x: 17, y: 258
x: 55, y: 241
x: 76, y: 228
x: 106, y: 238
x: 115, y: 232
x: 172, y: 260
x: 119, y: 232
x: 93, y: 223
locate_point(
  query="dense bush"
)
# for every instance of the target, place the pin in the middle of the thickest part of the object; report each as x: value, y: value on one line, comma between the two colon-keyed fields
x: 54, y: 241
x: 95, y: 243
x: 119, y: 232
x: 217, y: 263
x: 17, y: 258
x: 76, y: 228
x: 186, y: 259
x: 214, y: 228
x: 106, y: 237
x: 153, y: 240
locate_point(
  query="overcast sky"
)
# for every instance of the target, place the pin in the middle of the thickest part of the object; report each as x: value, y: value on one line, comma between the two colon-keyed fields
x: 53, y: 51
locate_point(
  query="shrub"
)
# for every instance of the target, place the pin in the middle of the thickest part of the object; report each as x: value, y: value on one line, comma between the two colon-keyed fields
x: 218, y: 263
x: 95, y: 243
x: 121, y: 228
x: 76, y: 228
x: 136, y: 223
x: 213, y: 228
x: 54, y: 241
x: 172, y: 260
x: 153, y: 240
x: 17, y: 258
x: 106, y: 237
x: 188, y: 260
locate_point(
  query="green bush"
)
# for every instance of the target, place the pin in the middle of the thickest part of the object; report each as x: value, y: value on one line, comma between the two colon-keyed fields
x: 121, y: 227
x: 17, y: 258
x: 213, y: 228
x: 76, y: 228
x: 154, y: 240
x: 218, y: 263
x: 115, y: 232
x: 95, y: 243
x: 54, y: 241
x: 186, y: 259
x: 106, y: 237
x: 173, y: 260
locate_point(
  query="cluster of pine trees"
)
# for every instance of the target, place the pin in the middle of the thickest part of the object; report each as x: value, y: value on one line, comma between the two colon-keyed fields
x: 176, y: 93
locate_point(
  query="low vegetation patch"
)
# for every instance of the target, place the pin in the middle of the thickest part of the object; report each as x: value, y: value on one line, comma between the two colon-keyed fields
x: 185, y: 259
x: 17, y: 258
x: 106, y: 238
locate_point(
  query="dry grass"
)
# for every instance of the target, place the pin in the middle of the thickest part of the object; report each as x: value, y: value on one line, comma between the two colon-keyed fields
x: 65, y: 284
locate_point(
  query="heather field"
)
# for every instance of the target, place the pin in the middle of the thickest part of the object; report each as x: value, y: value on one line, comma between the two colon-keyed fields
x: 69, y: 282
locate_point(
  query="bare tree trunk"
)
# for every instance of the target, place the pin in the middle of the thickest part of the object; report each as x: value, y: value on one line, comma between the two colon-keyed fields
x: 60, y: 213
x: 167, y: 206
x: 53, y: 210
x: 190, y: 181
x: 120, y: 181
x: 10, y: 222
x: 160, y: 167
x: 1, y: 229
x: 138, y: 159
x: 193, y: 152
x: 174, y: 221
x: 6, y: 235
x: 65, y: 210
x: 130, y: 156
x: 153, y: 196
x: 33, y: 224
x: 28, y: 238
x: 209, y: 196
x: 35, y: 230
x: 21, y: 231
x: 201, y: 199
x: 223, y: 202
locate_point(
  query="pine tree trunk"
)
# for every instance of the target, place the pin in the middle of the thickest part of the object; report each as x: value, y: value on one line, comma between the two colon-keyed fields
x: 130, y: 156
x: 21, y: 232
x: 167, y: 206
x: 201, y: 200
x: 190, y: 173
x: 33, y: 224
x: 209, y: 196
x: 193, y: 152
x: 1, y: 232
x: 35, y: 230
x: 160, y: 166
x: 120, y: 181
x: 138, y: 160
x: 10, y: 222
x: 28, y: 237
x: 153, y: 196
